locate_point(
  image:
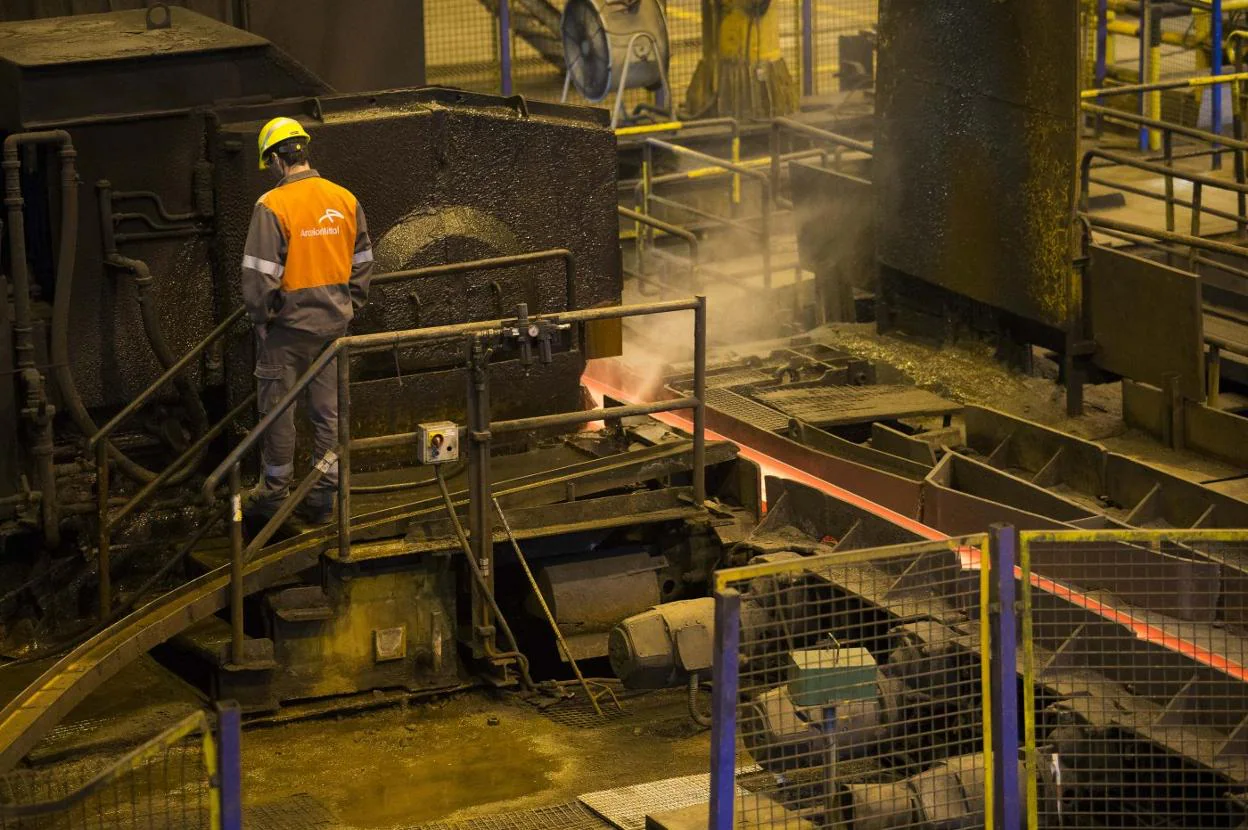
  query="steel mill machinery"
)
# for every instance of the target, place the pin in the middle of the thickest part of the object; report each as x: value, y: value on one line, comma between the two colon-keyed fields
x: 130, y: 171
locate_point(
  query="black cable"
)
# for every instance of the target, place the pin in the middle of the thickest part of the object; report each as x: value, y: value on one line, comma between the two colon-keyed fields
x: 458, y: 469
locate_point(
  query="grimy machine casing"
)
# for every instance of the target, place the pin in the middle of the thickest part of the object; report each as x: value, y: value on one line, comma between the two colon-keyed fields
x: 164, y: 121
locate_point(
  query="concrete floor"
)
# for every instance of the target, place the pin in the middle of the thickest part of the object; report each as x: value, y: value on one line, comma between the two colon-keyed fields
x: 447, y: 759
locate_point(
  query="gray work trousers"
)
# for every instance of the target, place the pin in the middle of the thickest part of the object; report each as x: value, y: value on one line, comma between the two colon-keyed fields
x: 283, y: 355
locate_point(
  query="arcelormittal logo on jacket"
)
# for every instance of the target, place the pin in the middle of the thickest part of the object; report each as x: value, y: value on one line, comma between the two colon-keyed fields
x: 331, y: 216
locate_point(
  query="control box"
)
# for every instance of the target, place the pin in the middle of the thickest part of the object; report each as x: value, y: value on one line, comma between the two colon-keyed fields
x: 437, y: 442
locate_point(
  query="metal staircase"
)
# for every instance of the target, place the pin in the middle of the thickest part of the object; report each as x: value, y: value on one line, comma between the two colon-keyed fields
x: 536, y: 22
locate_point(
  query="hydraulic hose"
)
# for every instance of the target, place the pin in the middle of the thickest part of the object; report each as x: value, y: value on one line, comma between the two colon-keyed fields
x: 164, y: 355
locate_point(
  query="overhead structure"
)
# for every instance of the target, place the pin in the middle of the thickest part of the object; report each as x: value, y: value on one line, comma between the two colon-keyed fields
x: 742, y: 73
x: 615, y: 45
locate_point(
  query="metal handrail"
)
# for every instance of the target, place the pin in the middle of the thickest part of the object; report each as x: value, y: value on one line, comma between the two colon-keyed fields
x: 1179, y: 129
x: 1170, y: 173
x: 779, y: 125
x: 108, y: 520
x: 341, y: 350
x: 763, y: 179
x: 688, y: 236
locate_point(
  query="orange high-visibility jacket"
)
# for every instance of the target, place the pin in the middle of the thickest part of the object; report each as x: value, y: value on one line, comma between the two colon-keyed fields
x: 308, y: 258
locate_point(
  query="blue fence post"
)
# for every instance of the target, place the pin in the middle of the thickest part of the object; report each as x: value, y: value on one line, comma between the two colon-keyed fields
x: 1003, y: 550
x: 230, y: 764
x: 724, y: 709
x: 1215, y: 69
x: 504, y: 43
x: 808, y: 47
x: 1102, y: 41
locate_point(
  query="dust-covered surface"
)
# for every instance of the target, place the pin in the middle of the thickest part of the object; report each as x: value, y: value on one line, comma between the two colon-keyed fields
x: 469, y: 755
x: 969, y: 373
x: 98, y: 37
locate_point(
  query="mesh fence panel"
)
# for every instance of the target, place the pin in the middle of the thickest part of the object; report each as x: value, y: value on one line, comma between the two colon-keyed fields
x: 1135, y: 656
x: 166, y: 786
x: 861, y: 694
x: 462, y: 45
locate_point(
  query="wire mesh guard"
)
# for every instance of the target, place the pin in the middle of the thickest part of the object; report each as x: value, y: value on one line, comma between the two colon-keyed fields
x: 1135, y: 681
x: 166, y: 783
x: 861, y: 691
x: 463, y: 46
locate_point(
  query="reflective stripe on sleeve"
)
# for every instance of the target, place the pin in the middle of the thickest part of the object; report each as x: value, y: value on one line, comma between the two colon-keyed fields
x: 362, y: 257
x: 264, y: 266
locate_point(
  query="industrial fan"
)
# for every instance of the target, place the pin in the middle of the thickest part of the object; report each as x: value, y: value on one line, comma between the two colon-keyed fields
x: 614, y: 44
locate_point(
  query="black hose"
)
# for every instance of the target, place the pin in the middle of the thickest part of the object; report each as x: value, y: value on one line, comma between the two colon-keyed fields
x: 458, y: 469
x: 482, y: 585
x: 164, y: 355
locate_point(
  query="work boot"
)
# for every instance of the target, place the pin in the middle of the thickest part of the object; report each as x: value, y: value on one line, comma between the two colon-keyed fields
x: 259, y: 506
x: 317, y: 508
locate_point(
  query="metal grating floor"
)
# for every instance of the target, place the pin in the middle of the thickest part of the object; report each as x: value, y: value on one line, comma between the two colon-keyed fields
x: 832, y: 405
x: 743, y: 409
x: 570, y: 816
x: 297, y: 812
x: 627, y: 807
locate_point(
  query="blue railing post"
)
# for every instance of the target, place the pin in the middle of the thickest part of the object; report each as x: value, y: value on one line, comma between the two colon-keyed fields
x: 504, y: 44
x: 230, y: 764
x: 724, y: 709
x: 1102, y: 41
x: 808, y: 47
x: 1003, y: 550
x: 1215, y: 69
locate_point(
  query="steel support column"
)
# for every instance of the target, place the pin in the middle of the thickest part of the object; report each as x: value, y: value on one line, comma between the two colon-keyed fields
x: 724, y: 709
x: 1003, y: 554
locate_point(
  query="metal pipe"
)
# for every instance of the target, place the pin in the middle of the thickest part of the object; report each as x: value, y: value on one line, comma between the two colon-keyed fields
x: 173, y: 371
x: 585, y: 416
x: 482, y: 585
x: 1177, y: 129
x: 739, y: 224
x: 541, y: 600
x: 1170, y: 203
x: 1176, y: 238
x: 480, y: 529
x: 388, y: 340
x: 1159, y: 86
x: 699, y: 396
x: 38, y: 411
x: 182, y: 461
x: 344, y: 454
x: 105, y: 529
x: 1216, y: 56
x: 1149, y: 167
x: 674, y: 230
x: 288, y: 506
x: 236, y: 566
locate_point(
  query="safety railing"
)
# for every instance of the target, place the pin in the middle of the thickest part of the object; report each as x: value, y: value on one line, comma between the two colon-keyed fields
x: 860, y: 686
x: 184, y: 777
x: 109, y: 519
x: 780, y: 126
x: 1198, y: 182
x: 524, y: 333
x: 1169, y: 130
x: 688, y: 237
x: 1135, y: 680
x: 649, y: 198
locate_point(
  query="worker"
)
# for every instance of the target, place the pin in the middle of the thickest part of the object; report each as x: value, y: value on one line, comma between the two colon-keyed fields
x: 306, y: 270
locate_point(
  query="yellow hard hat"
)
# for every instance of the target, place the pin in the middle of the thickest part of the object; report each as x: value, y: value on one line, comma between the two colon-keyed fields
x: 275, y: 132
